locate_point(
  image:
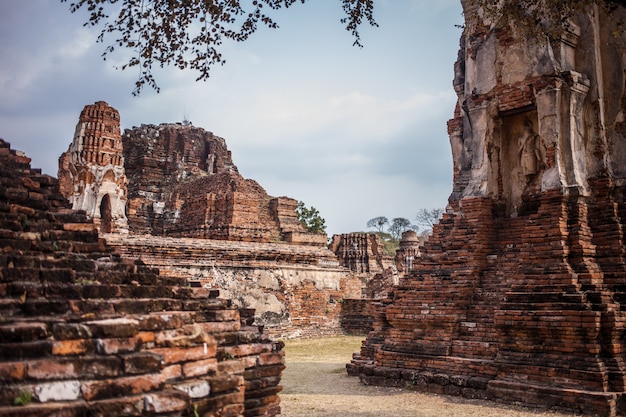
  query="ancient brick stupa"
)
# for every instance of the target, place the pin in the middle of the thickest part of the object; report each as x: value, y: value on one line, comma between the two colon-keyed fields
x: 518, y: 295
x: 172, y: 179
x: 91, y: 172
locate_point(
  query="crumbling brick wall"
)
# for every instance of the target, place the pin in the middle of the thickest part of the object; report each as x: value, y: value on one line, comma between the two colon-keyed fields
x: 518, y: 293
x: 183, y: 183
x: 294, y: 289
x: 85, y: 332
x: 356, y: 316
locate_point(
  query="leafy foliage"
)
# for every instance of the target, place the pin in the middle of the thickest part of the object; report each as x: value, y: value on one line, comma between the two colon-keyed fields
x: 188, y: 33
x: 356, y: 11
x: 310, y: 219
x: 551, y: 16
x: 400, y: 225
x: 24, y: 398
x: 390, y: 245
x: 391, y: 238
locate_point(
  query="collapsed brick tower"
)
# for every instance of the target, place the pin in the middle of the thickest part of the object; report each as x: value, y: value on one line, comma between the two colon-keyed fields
x: 91, y: 172
x: 519, y: 293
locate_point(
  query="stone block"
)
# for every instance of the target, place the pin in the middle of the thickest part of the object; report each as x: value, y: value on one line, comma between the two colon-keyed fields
x: 118, y: 345
x: 73, y: 347
x: 215, y: 403
x: 132, y: 405
x: 23, y: 332
x: 25, y: 349
x: 273, y: 358
x: 182, y: 354
x: 58, y: 391
x: 164, y: 321
x: 80, y: 227
x: 231, y: 366
x: 195, y: 388
x: 113, y: 328
x: 47, y: 369
x: 167, y: 401
x: 225, y: 382
x: 129, y: 385
x: 203, y: 367
x: 12, y: 371
x: 67, y: 331
x: 97, y: 366
x: 142, y: 362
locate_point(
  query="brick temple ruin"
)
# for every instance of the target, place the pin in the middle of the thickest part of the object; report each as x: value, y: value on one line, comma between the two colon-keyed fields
x: 84, y: 331
x: 518, y: 294
x: 97, y: 319
x: 92, y: 173
x: 171, y: 195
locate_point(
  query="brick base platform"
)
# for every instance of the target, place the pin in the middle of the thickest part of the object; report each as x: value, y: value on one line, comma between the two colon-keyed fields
x: 523, y: 310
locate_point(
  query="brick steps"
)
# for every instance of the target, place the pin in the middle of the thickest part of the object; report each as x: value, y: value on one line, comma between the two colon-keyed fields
x: 84, y: 331
x: 529, y: 307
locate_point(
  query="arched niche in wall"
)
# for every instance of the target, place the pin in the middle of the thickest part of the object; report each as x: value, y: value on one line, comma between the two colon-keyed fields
x: 105, y: 214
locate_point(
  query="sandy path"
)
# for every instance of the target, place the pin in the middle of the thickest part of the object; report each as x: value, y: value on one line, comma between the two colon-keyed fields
x: 316, y: 384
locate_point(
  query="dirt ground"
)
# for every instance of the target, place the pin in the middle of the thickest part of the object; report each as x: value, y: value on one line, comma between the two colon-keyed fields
x: 316, y: 384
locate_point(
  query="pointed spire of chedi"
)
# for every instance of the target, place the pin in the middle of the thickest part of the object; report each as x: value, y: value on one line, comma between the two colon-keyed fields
x: 91, y: 172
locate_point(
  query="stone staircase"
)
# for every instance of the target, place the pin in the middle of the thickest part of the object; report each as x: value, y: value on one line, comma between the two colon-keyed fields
x: 84, y: 331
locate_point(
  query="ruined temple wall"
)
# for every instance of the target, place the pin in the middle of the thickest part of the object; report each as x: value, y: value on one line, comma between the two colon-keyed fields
x: 296, y: 290
x: 360, y: 252
x: 157, y: 159
x: 517, y: 296
x: 222, y: 206
x: 183, y: 183
x: 568, y: 94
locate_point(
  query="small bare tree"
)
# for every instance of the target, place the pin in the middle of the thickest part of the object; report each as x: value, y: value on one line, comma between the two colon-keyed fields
x: 427, y: 218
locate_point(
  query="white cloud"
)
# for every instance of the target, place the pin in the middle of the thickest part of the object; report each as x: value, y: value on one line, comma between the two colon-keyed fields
x: 355, y: 132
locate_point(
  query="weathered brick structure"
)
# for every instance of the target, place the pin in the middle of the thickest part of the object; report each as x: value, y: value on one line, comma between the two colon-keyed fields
x: 357, y: 316
x: 295, y: 290
x: 408, y: 253
x: 518, y: 295
x: 362, y: 253
x: 359, y: 252
x: 183, y: 183
x: 86, y: 332
x: 91, y: 172
x: 193, y: 216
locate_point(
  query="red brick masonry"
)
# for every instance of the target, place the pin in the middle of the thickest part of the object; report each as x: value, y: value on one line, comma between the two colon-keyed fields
x: 524, y: 310
x: 85, y: 332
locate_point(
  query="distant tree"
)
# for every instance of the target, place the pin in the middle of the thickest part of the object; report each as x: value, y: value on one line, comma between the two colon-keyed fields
x: 427, y: 218
x: 188, y: 34
x: 378, y: 223
x: 390, y: 245
x: 400, y: 225
x: 310, y: 218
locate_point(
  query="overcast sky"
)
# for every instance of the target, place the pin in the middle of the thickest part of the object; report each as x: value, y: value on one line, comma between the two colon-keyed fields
x: 356, y: 133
